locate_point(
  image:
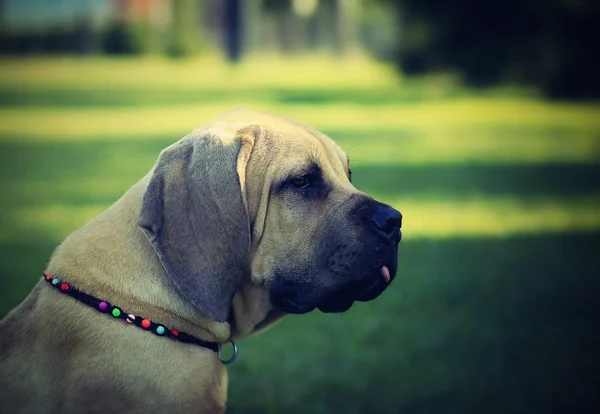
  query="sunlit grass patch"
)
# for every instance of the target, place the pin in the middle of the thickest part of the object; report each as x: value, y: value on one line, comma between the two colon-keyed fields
x: 213, y: 71
x: 77, y: 190
x: 495, y: 217
x: 464, y: 130
x: 52, y: 221
x: 382, y: 135
x: 429, y: 218
x: 473, y: 145
x: 93, y: 123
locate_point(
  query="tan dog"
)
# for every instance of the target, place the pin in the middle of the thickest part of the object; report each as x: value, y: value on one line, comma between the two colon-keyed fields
x: 239, y: 223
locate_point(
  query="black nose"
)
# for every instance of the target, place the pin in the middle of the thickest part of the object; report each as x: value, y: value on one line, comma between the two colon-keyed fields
x: 387, y: 220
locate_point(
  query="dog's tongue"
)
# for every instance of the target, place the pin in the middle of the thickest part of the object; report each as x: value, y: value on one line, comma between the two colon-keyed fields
x: 385, y: 272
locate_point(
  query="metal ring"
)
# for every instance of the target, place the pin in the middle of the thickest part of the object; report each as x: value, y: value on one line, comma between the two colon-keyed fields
x: 230, y: 360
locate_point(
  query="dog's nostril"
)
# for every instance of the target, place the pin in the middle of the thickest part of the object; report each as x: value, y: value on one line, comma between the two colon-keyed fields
x: 391, y: 226
x: 387, y: 220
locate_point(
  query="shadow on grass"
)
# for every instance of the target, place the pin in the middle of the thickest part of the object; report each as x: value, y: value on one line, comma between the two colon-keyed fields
x: 519, y: 181
x: 495, y: 326
x: 470, y: 325
x: 22, y: 267
x: 78, y: 97
x: 54, y: 165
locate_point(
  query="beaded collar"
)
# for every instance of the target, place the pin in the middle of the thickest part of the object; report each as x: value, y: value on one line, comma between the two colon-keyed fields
x: 144, y: 323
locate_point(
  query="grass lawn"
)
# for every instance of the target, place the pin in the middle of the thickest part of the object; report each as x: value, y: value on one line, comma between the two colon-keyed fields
x: 494, y: 309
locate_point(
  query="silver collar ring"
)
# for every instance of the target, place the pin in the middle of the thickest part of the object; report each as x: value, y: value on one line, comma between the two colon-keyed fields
x: 232, y: 358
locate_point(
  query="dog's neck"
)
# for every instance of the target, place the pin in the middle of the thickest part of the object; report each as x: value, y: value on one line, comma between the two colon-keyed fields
x: 250, y: 314
x: 111, y: 258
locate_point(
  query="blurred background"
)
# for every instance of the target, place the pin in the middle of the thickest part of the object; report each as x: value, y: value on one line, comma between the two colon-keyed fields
x: 479, y: 120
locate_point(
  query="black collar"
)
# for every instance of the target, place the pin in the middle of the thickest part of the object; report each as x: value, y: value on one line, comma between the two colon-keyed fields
x: 144, y: 323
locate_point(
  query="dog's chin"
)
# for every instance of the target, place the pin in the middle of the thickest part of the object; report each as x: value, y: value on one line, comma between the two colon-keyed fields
x: 337, y: 301
x: 290, y: 306
x: 336, y: 306
x: 343, y: 299
x: 330, y: 306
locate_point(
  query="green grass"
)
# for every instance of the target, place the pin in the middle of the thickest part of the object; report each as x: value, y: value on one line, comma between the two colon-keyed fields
x: 472, y: 326
x: 494, y: 308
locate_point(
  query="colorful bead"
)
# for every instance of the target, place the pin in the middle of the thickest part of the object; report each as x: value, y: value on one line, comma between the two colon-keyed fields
x: 103, y: 306
x: 160, y: 330
x: 175, y: 332
x: 130, y: 318
x: 64, y: 287
x: 55, y: 281
x: 116, y: 312
x: 48, y: 277
x: 146, y: 323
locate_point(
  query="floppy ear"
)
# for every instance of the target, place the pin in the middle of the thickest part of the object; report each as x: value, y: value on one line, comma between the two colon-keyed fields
x: 194, y: 213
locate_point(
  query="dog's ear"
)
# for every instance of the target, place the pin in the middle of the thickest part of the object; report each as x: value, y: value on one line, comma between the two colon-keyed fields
x: 194, y: 212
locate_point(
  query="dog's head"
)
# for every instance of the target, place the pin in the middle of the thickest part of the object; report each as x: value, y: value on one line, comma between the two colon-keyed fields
x: 260, y: 197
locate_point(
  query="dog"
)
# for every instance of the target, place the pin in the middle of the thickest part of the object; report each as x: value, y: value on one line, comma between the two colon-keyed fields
x: 243, y: 221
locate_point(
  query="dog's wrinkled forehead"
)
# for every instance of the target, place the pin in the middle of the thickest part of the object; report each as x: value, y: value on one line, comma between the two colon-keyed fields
x: 297, y: 142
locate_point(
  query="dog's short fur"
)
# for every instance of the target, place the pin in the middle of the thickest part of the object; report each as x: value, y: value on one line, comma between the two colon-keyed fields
x: 244, y: 220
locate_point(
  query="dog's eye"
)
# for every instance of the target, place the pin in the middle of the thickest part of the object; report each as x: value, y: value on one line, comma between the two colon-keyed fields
x: 350, y: 174
x: 302, y: 181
